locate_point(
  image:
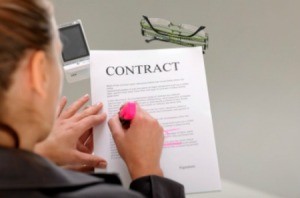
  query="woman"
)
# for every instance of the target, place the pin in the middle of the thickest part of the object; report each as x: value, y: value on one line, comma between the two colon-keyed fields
x: 30, y: 84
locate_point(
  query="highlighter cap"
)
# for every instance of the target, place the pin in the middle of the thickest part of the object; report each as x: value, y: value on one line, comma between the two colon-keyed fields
x: 128, y: 111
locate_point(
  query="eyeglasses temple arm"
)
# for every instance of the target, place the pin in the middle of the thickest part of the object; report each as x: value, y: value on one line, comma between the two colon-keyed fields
x: 155, y: 30
x: 146, y: 18
x: 198, y: 30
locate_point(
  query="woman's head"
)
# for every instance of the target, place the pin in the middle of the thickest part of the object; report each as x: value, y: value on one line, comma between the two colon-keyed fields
x: 30, y: 75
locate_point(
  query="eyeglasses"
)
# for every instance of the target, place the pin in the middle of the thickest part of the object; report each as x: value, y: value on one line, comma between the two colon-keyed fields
x: 182, y: 34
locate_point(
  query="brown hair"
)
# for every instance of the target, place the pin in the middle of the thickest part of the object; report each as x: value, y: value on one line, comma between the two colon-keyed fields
x: 24, y: 25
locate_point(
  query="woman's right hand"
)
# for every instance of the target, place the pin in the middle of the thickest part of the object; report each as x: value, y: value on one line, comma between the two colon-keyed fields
x: 140, y: 146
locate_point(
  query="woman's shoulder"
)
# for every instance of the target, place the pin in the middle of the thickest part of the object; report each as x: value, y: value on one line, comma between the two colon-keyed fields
x: 23, y: 171
x: 95, y: 190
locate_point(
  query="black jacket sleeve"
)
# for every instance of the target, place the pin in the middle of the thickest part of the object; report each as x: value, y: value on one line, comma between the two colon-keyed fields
x: 157, y: 187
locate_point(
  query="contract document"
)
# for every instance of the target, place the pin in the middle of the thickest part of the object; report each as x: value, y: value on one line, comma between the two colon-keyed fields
x: 171, y: 85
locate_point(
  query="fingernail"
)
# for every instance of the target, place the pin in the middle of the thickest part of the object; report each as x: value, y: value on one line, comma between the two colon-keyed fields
x: 86, y: 96
x: 98, y: 104
x: 102, y: 164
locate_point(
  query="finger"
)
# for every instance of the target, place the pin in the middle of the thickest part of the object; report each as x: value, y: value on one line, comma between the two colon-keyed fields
x: 115, y: 127
x: 91, y: 160
x: 73, y: 108
x: 140, y: 114
x: 82, y: 148
x: 89, y: 122
x: 85, y: 136
x: 86, y: 107
x: 92, y: 110
x: 86, y: 146
x: 61, y: 105
x: 89, y: 144
x: 143, y: 112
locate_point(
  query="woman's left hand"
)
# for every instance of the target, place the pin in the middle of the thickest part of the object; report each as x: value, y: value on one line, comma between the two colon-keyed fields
x: 70, y: 143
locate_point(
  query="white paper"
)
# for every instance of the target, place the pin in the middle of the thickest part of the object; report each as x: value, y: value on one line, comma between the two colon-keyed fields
x: 171, y: 85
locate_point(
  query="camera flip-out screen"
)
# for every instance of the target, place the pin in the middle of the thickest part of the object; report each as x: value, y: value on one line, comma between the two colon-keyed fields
x: 75, y: 54
x: 74, y: 44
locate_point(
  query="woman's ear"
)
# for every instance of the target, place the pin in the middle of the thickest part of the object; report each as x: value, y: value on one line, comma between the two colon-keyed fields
x: 38, y: 73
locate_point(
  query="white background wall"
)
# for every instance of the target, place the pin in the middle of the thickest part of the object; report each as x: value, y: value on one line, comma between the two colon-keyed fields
x: 253, y: 72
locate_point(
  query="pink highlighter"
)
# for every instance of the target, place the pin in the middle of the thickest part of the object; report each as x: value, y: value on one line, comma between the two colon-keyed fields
x: 127, y: 113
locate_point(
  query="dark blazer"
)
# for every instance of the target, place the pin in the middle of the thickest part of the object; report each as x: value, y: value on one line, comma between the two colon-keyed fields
x: 25, y: 174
